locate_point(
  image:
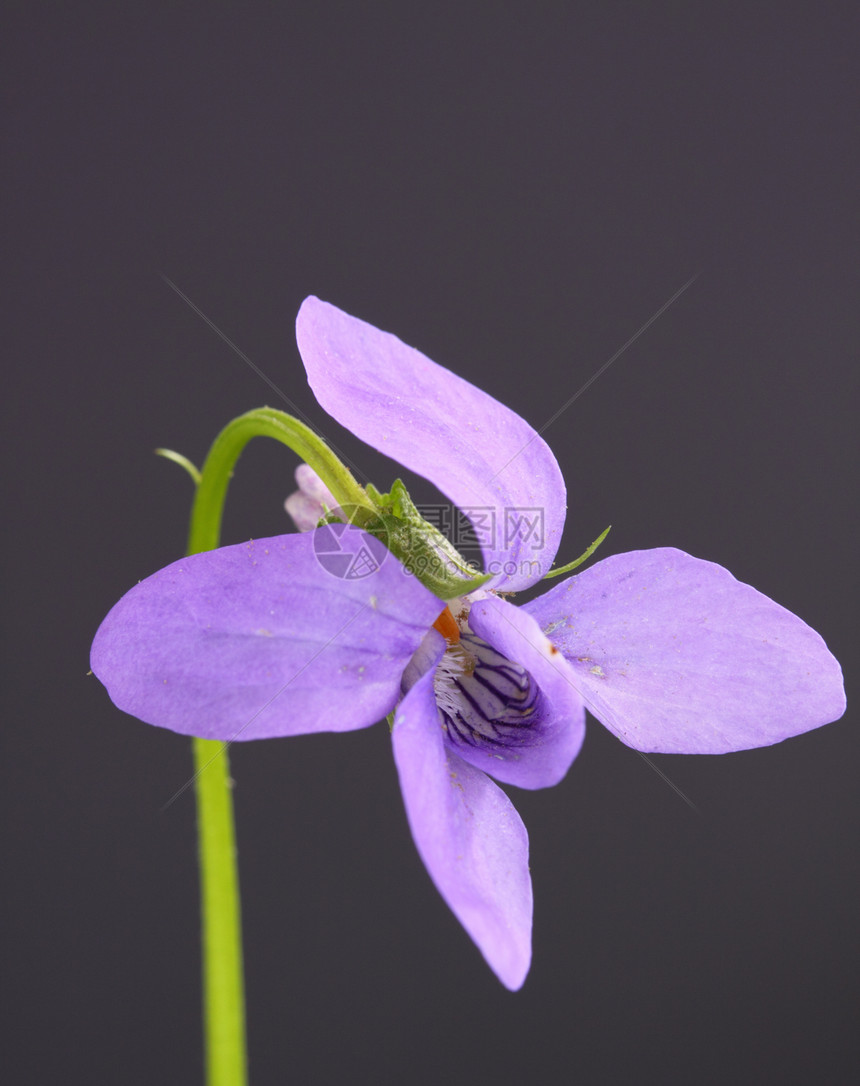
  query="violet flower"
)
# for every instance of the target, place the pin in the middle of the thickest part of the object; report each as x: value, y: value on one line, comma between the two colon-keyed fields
x: 258, y: 640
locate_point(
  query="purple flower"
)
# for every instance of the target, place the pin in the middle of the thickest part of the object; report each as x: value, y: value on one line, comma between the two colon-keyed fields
x: 326, y: 631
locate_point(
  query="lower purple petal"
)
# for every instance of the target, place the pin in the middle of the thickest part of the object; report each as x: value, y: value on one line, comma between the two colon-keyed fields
x: 538, y: 753
x: 468, y: 834
x: 265, y: 639
x: 675, y: 655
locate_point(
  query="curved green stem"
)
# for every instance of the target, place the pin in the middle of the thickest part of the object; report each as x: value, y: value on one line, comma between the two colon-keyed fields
x: 223, y: 982
x: 225, y: 451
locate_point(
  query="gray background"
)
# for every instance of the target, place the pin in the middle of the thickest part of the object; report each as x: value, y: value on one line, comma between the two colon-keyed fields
x: 514, y: 192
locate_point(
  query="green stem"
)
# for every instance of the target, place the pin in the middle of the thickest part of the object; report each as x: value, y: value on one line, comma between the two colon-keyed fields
x: 225, y: 451
x: 223, y: 982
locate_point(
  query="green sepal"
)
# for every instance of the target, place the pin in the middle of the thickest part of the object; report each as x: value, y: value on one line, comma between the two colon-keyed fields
x: 421, y: 547
x: 586, y: 554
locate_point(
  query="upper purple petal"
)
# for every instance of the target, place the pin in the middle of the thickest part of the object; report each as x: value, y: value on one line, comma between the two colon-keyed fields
x: 260, y: 640
x: 468, y: 834
x: 482, y: 455
x: 673, y: 654
x: 539, y: 752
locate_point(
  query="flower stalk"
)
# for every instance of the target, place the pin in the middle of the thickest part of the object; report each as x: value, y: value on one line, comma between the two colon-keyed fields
x: 220, y: 912
x: 228, y: 445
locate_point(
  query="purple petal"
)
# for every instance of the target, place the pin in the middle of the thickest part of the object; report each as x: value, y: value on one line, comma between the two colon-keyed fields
x: 538, y: 753
x: 311, y: 484
x: 263, y: 639
x: 304, y: 511
x: 309, y: 504
x: 468, y: 834
x: 673, y: 654
x: 485, y: 458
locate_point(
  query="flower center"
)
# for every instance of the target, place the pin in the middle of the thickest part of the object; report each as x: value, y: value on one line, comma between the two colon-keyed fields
x: 447, y: 626
x: 483, y: 697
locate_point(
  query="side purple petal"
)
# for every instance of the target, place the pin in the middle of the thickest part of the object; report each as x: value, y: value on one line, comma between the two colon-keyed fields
x: 540, y: 752
x: 261, y: 640
x: 480, y: 454
x: 468, y: 834
x: 675, y: 655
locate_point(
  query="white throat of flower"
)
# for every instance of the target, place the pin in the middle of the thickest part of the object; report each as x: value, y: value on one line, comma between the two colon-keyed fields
x: 457, y: 664
x: 483, y: 698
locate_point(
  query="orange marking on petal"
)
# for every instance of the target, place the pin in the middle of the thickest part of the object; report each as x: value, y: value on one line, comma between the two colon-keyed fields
x: 447, y: 626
